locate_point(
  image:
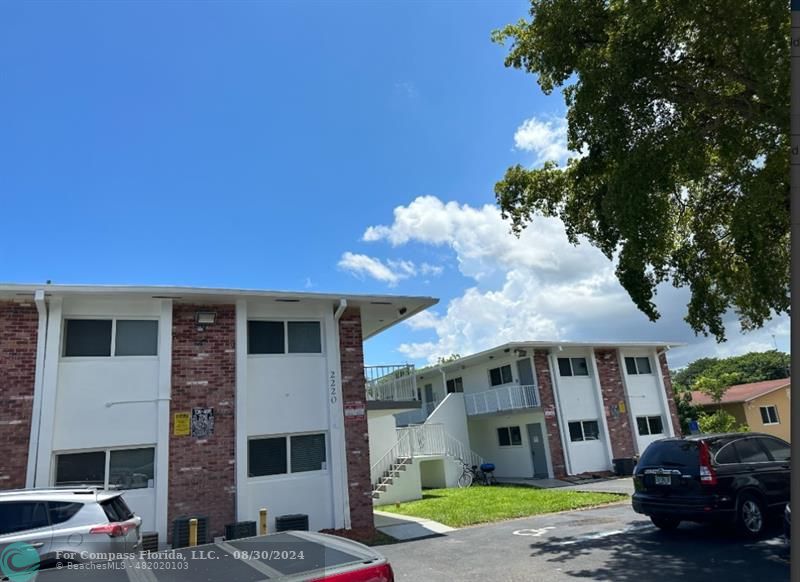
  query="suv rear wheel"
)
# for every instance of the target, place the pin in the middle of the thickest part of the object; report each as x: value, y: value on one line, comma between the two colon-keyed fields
x: 665, y: 523
x: 750, y: 517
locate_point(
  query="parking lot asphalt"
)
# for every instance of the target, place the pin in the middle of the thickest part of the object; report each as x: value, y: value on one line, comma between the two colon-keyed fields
x: 608, y: 543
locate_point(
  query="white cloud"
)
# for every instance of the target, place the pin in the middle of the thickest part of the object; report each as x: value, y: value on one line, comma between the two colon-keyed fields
x: 547, y: 139
x: 536, y: 287
x: 391, y: 271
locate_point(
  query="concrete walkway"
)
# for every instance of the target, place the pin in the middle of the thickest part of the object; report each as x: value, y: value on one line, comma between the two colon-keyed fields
x: 610, y: 485
x: 406, y: 527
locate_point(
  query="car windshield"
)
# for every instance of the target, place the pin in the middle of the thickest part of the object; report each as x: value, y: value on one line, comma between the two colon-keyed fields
x: 671, y: 454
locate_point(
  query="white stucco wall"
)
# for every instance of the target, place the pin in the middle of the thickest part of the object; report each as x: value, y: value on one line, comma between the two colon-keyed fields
x: 406, y: 488
x: 510, y: 461
x: 644, y: 397
x: 382, y: 436
x: 452, y: 415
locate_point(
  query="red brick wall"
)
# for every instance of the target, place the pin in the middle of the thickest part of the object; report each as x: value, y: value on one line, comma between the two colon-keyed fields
x: 18, y: 333
x: 356, y: 432
x: 202, y: 473
x: 613, y: 391
x: 673, y: 409
x: 548, y: 403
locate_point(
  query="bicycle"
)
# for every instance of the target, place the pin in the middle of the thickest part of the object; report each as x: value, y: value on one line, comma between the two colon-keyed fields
x: 483, y: 475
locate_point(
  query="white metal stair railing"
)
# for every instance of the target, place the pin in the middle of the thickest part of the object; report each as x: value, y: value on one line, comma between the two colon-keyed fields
x: 387, y: 468
x: 512, y: 397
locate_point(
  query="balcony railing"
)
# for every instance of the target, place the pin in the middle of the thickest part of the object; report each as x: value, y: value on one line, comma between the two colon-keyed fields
x: 502, y: 398
x: 391, y: 383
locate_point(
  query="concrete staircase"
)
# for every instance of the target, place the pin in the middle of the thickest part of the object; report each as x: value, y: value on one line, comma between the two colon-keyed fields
x: 390, y: 475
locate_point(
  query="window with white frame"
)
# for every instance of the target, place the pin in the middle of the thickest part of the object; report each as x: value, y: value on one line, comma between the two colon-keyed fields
x: 649, y: 425
x: 509, y: 436
x: 638, y: 366
x: 769, y: 415
x: 500, y: 375
x: 122, y: 468
x: 572, y: 367
x: 284, y: 337
x: 281, y: 455
x: 455, y: 385
x: 584, y: 430
x: 104, y: 337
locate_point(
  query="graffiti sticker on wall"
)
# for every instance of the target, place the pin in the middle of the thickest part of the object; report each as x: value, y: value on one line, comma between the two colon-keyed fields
x: 202, y: 422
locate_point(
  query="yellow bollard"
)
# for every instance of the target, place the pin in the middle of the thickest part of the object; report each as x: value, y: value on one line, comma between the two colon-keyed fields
x: 262, y: 521
x: 192, y: 532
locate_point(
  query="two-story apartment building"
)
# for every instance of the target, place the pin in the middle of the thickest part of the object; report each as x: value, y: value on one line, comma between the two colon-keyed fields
x: 534, y: 409
x: 208, y: 402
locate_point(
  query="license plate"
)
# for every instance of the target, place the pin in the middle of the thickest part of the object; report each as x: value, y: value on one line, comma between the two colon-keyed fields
x: 663, y: 480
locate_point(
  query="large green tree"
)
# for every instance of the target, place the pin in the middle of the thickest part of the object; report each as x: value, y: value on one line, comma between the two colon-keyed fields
x: 681, y: 111
x: 750, y: 367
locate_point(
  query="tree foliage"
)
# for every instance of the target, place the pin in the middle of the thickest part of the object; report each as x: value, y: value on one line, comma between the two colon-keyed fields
x: 716, y: 386
x: 750, y: 367
x: 720, y: 421
x: 682, y: 111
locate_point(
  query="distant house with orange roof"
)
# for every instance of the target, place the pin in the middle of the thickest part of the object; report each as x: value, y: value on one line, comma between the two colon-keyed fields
x: 763, y: 406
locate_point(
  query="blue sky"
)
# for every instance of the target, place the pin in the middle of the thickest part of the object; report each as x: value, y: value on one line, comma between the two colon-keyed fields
x: 254, y: 145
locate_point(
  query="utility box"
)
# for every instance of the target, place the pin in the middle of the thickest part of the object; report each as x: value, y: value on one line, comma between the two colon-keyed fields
x: 240, y: 529
x: 296, y: 521
x: 623, y: 467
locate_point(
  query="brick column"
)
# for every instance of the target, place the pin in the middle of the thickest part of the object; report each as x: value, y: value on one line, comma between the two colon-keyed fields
x: 18, y: 334
x: 202, y: 472
x: 545, y: 383
x: 673, y: 408
x: 356, y: 432
x: 613, y: 390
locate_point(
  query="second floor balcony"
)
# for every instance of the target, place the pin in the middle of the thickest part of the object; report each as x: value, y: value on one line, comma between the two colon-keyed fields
x: 502, y: 399
x: 391, y: 386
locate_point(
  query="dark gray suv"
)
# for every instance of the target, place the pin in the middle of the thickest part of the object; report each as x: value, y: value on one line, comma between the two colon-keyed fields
x: 733, y: 477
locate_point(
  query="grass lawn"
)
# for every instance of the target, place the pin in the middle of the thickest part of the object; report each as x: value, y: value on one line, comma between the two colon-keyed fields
x: 459, y: 507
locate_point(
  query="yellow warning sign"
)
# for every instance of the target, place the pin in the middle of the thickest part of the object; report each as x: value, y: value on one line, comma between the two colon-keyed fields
x: 181, y: 424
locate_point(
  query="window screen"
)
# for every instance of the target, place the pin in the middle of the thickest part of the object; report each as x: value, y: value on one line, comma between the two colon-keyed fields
x: 515, y: 434
x: 266, y: 457
x: 131, y: 468
x: 21, y: 516
x: 630, y: 365
x: 308, y: 452
x: 455, y: 385
x: 87, y: 337
x: 564, y: 369
x: 750, y: 452
x: 136, y: 338
x: 501, y: 375
x: 643, y: 365
x: 579, y: 367
x: 81, y: 468
x: 591, y: 430
x: 304, y: 337
x: 265, y: 337
x: 503, y: 437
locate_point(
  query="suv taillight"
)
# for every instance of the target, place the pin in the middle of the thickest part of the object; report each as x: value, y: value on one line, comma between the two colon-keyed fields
x: 114, y: 530
x: 707, y: 474
x: 381, y: 573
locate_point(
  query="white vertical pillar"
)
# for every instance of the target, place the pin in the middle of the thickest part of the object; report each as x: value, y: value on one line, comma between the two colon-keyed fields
x: 338, y: 446
x: 49, y: 394
x: 36, y: 408
x: 162, y: 417
x: 241, y: 411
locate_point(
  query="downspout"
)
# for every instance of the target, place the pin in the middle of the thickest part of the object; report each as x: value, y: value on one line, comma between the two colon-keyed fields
x: 343, y: 477
x: 38, y: 384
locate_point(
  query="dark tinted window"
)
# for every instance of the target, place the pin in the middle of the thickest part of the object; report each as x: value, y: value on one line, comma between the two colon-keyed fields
x: 131, y: 468
x: 308, y: 452
x: 575, y: 432
x: 116, y: 509
x: 22, y: 515
x: 503, y: 437
x: 304, y: 337
x: 579, y: 367
x: 265, y: 337
x: 643, y: 365
x: 501, y: 375
x: 630, y: 365
x: 516, y: 435
x: 87, y: 337
x: 656, y: 426
x: 564, y: 369
x: 266, y: 457
x: 727, y: 456
x: 81, y: 469
x: 641, y: 424
x: 455, y: 385
x: 136, y: 337
x: 749, y: 451
x: 671, y: 453
x: 779, y: 450
x: 61, y: 511
x: 591, y: 430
